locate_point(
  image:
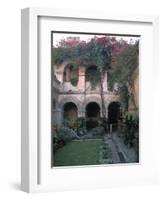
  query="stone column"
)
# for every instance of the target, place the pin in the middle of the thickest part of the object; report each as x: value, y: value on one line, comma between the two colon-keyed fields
x: 58, y: 72
x: 105, y: 84
x: 81, y: 113
x: 57, y: 117
x: 68, y: 74
x: 107, y: 114
x: 101, y: 113
x: 81, y: 80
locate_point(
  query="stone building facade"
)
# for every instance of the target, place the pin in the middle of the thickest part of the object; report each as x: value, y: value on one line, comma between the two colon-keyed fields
x: 81, y: 96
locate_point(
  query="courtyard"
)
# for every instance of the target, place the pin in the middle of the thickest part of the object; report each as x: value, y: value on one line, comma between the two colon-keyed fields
x: 106, y: 150
x: 95, y: 100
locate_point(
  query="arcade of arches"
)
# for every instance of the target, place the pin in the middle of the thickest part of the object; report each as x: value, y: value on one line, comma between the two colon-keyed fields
x: 77, y: 95
x: 92, y: 113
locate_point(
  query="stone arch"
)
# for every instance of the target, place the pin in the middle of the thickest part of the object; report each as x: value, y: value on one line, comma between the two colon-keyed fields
x: 111, y: 99
x: 91, y: 99
x: 70, y: 99
x: 70, y: 111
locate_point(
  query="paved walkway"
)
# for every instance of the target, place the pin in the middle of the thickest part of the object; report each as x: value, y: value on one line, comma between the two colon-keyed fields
x: 125, y: 152
x: 115, y: 156
x: 120, y: 152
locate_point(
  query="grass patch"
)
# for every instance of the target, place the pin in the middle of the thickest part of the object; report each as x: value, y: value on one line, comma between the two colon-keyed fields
x: 78, y: 153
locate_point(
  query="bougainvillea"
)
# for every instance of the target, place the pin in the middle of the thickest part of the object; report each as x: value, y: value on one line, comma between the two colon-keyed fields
x: 97, y: 51
x: 123, y: 68
x: 100, y: 51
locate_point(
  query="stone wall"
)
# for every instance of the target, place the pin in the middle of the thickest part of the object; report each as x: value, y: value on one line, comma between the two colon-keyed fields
x: 81, y: 95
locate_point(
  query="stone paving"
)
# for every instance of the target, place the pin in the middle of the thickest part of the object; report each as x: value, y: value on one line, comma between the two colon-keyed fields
x: 120, y: 152
x: 115, y: 156
x: 128, y: 153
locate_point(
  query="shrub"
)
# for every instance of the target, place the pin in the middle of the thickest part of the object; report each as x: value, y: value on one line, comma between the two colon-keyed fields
x: 57, y: 143
x: 78, y: 125
x: 66, y: 134
x: 73, y: 124
x: 98, y: 131
x: 82, y: 122
x: 131, y: 129
x: 105, y: 156
x: 81, y: 132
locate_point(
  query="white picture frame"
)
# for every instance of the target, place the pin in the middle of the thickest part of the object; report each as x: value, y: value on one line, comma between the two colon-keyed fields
x: 35, y: 169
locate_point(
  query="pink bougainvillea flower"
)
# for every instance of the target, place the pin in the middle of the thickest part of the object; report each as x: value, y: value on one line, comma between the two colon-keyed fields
x: 102, y: 40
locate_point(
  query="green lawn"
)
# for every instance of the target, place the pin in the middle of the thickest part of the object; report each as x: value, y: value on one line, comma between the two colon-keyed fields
x: 78, y: 153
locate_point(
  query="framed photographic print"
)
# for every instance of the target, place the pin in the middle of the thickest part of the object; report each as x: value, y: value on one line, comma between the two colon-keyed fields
x: 94, y: 99
x: 86, y: 96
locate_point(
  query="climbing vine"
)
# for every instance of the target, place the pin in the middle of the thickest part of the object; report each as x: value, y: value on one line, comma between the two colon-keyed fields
x: 126, y: 63
x: 96, y: 51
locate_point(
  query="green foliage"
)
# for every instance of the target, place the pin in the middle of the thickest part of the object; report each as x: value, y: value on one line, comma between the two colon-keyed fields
x: 93, y: 76
x: 131, y: 128
x: 71, y: 124
x: 56, y: 144
x: 60, y: 54
x: 74, y: 81
x: 82, y: 132
x: 72, y: 129
x: 82, y: 126
x: 125, y: 64
x: 82, y: 121
x: 106, y: 156
x: 124, y: 96
x: 122, y: 72
x: 66, y: 134
x: 98, y: 131
x: 78, y: 125
x: 97, y: 51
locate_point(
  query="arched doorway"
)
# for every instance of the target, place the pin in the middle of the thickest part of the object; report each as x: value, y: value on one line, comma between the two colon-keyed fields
x: 114, y: 113
x: 70, y: 111
x: 92, y: 115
